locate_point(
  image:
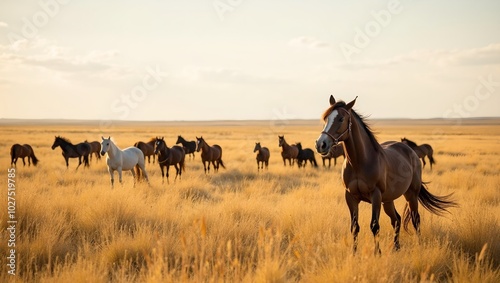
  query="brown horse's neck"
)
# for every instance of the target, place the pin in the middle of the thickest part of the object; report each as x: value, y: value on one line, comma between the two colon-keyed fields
x: 285, y: 145
x: 205, y: 147
x: 358, y: 148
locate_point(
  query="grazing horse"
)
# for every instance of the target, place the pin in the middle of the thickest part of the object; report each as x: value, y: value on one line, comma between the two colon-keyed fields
x: 289, y: 152
x: 95, y: 148
x: 209, y: 154
x: 70, y: 150
x: 22, y: 151
x: 147, y: 148
x: 189, y: 146
x: 336, y: 151
x: 119, y: 160
x: 377, y: 173
x: 421, y: 150
x: 304, y: 155
x: 262, y: 156
x: 169, y: 156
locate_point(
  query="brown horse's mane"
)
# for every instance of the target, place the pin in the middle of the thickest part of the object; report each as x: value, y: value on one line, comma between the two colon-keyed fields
x: 362, y: 120
x: 152, y: 140
x: 64, y: 139
x: 411, y: 143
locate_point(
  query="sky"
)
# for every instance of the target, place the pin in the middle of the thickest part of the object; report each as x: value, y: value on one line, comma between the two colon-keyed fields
x: 248, y: 59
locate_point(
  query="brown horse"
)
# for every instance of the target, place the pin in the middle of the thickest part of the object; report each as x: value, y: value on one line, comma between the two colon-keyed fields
x: 169, y: 156
x: 262, y: 156
x: 70, y: 150
x: 95, y: 148
x: 335, y: 152
x: 421, y: 150
x: 209, y: 154
x: 377, y: 173
x: 22, y: 151
x: 289, y: 152
x: 148, y: 148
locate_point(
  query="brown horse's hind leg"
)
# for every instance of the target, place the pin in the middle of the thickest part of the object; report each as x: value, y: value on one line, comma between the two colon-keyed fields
x: 24, y: 163
x: 390, y: 210
x: 423, y: 161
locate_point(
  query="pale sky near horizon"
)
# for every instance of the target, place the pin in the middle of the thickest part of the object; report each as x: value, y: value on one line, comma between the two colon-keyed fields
x: 248, y: 59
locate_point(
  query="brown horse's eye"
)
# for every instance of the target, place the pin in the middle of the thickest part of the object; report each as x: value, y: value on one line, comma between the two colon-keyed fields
x: 341, y: 119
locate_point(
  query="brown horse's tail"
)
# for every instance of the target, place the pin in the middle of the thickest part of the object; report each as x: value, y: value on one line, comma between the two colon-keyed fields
x: 12, y: 154
x: 432, y: 203
x: 33, y: 158
x: 222, y: 163
x: 431, y: 159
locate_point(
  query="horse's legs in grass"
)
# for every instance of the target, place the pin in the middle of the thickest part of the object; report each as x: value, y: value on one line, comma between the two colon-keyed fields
x: 176, y: 171
x: 24, y: 163
x: 133, y: 175
x: 423, y: 161
x: 168, y: 167
x: 162, y: 175
x: 205, y: 166
x: 119, y: 169
x: 353, y: 204
x: 390, y: 210
x: 29, y: 161
x: 374, y: 224
x: 111, y: 174
x: 267, y: 164
x: 284, y: 162
x: 216, y: 166
x: 258, y: 165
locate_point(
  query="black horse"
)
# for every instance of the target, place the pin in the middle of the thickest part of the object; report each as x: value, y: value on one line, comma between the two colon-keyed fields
x: 305, y: 155
x: 189, y: 146
x: 70, y: 150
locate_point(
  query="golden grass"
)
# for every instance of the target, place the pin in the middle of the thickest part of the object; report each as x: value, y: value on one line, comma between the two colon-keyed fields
x: 239, y: 225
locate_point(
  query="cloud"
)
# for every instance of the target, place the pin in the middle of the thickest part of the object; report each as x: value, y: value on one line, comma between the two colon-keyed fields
x: 224, y: 75
x: 42, y: 53
x: 487, y: 55
x: 3, y: 25
x: 309, y: 42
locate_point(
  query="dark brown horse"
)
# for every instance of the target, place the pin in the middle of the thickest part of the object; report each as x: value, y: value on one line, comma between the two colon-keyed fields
x: 335, y: 152
x: 70, y: 150
x: 422, y: 150
x: 209, y: 154
x: 95, y: 148
x: 304, y: 155
x: 289, y: 152
x: 377, y: 173
x: 169, y: 156
x: 22, y: 151
x: 148, y: 148
x: 262, y: 156
x: 189, y: 146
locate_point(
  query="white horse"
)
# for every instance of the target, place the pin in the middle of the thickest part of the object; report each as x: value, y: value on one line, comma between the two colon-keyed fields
x: 125, y: 159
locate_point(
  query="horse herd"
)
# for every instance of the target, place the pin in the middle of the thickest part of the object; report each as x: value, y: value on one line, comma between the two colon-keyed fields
x: 371, y: 171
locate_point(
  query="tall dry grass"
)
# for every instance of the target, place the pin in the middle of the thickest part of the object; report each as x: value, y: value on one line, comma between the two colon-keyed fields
x: 239, y: 225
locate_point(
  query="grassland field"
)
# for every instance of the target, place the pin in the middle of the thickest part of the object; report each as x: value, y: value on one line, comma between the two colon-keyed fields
x: 240, y: 225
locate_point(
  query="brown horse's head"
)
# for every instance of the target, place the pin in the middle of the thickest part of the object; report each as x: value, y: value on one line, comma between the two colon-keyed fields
x: 337, y: 119
x: 281, y: 140
x: 200, y: 142
x: 257, y: 147
x: 160, y: 144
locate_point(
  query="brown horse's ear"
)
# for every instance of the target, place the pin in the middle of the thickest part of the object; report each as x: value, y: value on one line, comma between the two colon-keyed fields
x: 332, y: 100
x: 162, y: 138
x: 102, y: 137
x: 109, y: 137
x: 351, y: 104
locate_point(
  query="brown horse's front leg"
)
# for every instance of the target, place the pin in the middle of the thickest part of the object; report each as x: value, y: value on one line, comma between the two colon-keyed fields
x: 374, y: 224
x: 353, y: 204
